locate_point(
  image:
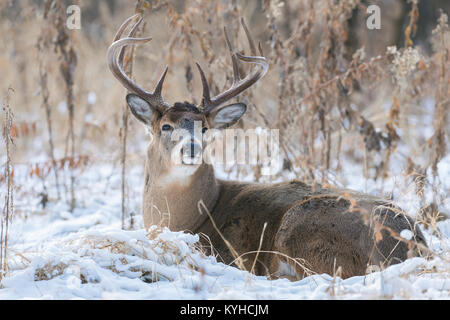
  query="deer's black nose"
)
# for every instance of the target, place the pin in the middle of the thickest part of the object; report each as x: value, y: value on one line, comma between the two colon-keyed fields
x: 191, y: 149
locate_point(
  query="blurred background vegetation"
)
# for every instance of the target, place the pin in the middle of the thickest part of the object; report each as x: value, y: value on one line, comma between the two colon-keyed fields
x: 348, y: 101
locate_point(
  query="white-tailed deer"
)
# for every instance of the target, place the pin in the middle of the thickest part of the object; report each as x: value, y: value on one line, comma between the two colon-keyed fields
x: 323, y: 228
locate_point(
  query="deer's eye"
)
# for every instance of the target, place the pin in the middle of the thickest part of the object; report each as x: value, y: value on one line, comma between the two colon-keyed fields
x: 204, y: 129
x: 166, y: 127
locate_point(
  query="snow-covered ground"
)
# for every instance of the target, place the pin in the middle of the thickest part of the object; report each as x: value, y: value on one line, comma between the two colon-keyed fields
x: 55, y: 254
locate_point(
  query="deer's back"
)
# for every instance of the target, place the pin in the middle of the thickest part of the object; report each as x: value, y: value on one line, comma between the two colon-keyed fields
x: 311, y: 223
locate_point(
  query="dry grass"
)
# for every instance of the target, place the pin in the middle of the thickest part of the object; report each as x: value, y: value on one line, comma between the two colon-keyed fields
x: 9, y: 135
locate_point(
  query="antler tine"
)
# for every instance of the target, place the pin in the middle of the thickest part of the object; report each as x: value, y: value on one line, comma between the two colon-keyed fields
x: 249, y: 37
x: 236, y: 74
x: 206, y: 95
x: 239, y: 85
x: 115, y: 64
x: 159, y: 86
x: 123, y: 27
x: 130, y: 35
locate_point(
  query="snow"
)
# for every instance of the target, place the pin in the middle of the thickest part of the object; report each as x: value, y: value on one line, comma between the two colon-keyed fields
x: 406, y: 234
x: 55, y: 254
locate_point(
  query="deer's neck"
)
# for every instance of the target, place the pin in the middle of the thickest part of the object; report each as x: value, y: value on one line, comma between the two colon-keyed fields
x: 171, y: 195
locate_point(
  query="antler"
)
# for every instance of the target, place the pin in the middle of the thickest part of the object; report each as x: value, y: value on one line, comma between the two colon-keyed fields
x: 239, y: 84
x: 115, y: 64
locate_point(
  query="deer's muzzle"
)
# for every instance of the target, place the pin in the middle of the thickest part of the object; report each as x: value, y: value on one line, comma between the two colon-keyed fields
x: 191, y: 152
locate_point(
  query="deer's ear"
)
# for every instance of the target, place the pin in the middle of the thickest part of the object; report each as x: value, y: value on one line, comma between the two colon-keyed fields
x: 142, y: 110
x: 226, y: 116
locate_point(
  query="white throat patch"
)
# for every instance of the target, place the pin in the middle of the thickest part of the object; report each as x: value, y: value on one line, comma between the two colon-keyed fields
x: 180, y: 174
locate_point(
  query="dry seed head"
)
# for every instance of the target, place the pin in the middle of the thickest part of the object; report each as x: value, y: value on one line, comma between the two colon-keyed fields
x: 404, y: 64
x: 275, y: 8
x: 441, y: 33
x: 442, y: 23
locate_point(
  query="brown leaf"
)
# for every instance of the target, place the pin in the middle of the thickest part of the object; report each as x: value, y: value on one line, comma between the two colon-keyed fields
x: 13, y: 131
x: 378, y: 236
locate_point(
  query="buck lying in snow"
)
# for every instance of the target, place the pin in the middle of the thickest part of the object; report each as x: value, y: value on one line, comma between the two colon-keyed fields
x: 320, y: 229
